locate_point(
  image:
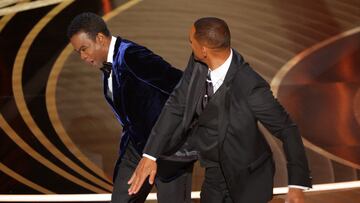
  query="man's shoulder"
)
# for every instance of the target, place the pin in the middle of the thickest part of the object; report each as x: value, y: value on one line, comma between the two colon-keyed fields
x: 245, y: 72
x: 246, y: 77
x: 139, y: 57
x: 133, y: 46
x: 136, y: 51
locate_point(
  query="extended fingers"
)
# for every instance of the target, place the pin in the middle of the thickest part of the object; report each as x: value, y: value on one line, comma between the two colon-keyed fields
x: 152, y: 176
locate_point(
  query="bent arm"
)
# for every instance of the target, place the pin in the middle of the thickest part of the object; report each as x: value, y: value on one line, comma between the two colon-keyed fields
x: 274, y: 117
x: 169, y: 123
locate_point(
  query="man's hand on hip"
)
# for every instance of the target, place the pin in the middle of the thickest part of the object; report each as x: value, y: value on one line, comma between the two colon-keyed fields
x: 295, y: 195
x: 145, y: 168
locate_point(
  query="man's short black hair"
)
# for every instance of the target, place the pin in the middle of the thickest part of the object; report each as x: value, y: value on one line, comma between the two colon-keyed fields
x: 214, y: 32
x: 89, y: 23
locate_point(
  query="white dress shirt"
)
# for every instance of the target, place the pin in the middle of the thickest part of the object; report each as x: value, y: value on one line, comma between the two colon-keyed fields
x: 109, y: 59
x: 218, y: 75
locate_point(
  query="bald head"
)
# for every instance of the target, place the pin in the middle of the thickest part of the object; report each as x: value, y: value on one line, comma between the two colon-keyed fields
x: 212, y: 32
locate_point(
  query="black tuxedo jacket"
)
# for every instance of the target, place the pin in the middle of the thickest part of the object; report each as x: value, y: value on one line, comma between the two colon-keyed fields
x: 245, y: 156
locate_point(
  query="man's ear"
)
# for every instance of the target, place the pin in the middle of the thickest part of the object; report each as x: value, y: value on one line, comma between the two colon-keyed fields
x: 204, y: 51
x: 100, y: 37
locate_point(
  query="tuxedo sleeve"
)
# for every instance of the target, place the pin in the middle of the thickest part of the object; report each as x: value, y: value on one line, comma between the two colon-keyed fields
x: 274, y: 117
x: 169, y: 123
x: 151, y: 68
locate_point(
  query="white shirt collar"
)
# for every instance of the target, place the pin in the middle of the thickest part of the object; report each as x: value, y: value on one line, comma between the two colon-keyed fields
x: 110, y: 60
x: 111, y: 50
x: 218, y: 75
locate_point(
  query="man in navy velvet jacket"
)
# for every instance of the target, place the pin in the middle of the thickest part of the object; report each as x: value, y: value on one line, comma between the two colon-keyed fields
x: 137, y: 84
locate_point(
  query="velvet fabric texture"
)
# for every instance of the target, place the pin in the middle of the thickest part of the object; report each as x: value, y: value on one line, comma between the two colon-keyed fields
x: 142, y: 82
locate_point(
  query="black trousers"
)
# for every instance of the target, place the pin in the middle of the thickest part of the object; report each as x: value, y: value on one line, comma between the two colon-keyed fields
x: 176, y: 191
x: 214, y: 188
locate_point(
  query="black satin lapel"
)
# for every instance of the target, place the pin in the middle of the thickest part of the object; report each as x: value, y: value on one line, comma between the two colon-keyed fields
x: 196, y: 88
x: 116, y: 92
x: 224, y: 111
x: 236, y: 61
x: 118, y: 97
x: 105, y: 89
x: 117, y: 46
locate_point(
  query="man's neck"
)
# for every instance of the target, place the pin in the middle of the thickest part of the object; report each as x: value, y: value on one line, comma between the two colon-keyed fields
x: 216, y: 59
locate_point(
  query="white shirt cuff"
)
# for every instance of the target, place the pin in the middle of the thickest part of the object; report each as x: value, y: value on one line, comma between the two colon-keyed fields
x: 149, y: 157
x: 299, y: 187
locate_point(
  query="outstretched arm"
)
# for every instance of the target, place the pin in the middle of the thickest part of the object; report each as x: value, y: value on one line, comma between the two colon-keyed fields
x: 274, y: 117
x: 168, y: 122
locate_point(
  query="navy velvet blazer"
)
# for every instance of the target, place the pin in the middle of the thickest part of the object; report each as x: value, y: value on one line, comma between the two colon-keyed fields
x: 142, y: 82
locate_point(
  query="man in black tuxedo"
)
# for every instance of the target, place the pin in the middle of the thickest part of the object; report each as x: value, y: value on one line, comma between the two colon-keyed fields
x: 223, y: 98
x: 137, y: 84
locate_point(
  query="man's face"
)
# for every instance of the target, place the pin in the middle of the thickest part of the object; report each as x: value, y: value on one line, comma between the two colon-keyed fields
x: 91, y: 51
x: 196, y: 46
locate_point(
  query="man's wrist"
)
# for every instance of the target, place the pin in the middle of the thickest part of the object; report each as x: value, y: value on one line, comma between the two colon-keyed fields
x: 149, y: 157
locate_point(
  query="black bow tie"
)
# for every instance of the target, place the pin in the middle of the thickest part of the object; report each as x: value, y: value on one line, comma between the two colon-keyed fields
x: 106, y: 69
